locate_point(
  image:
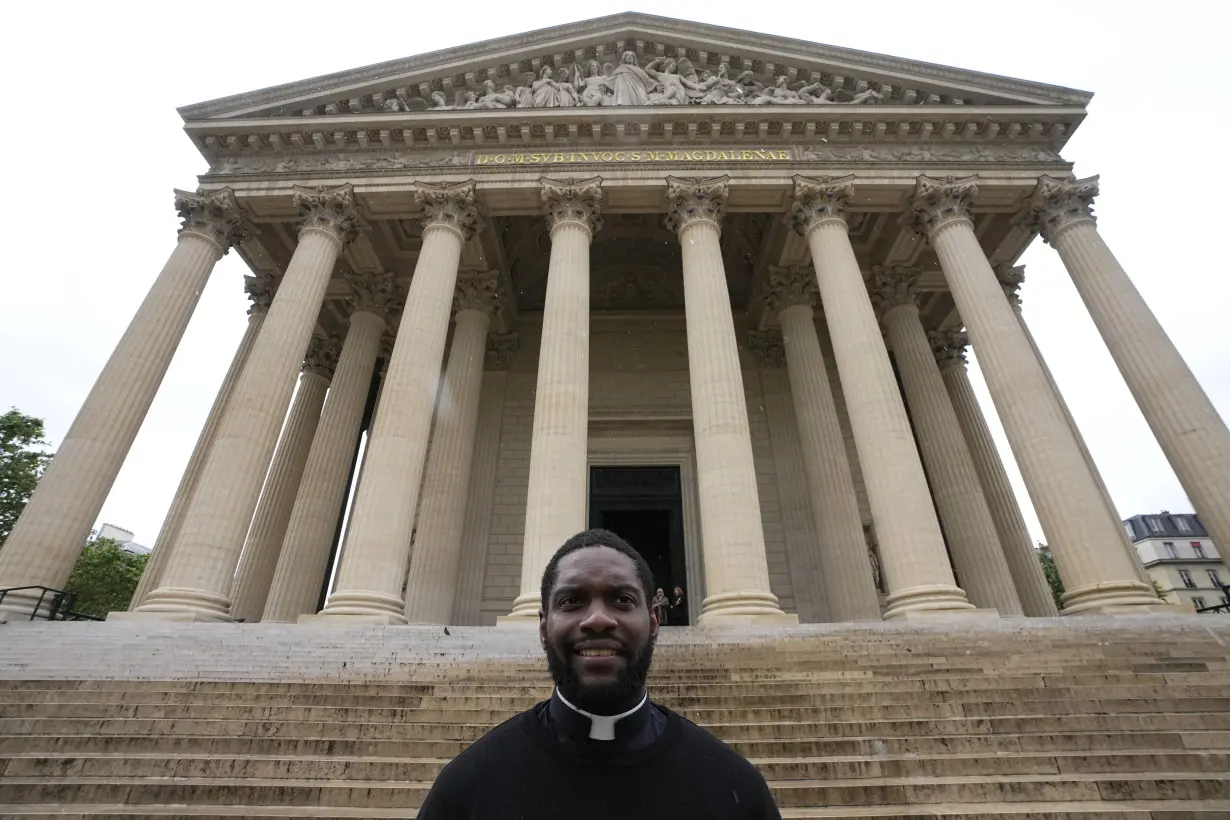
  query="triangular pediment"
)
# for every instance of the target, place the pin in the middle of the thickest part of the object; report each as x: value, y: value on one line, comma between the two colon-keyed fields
x: 713, y: 65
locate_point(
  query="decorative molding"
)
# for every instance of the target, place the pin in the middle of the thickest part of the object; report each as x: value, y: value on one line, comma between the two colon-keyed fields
x: 501, y: 348
x: 573, y: 202
x: 949, y: 347
x: 260, y: 288
x: 787, y: 287
x: 928, y: 152
x: 330, y: 210
x: 695, y: 200
x: 1011, y: 278
x: 939, y: 203
x: 321, y: 356
x: 767, y: 348
x: 1058, y: 204
x: 450, y: 205
x: 892, y: 287
x: 212, y: 215
x: 819, y: 200
x: 637, y: 289
x: 478, y: 291
x: 371, y: 292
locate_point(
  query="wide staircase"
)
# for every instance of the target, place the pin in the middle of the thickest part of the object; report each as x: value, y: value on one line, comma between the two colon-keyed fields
x: 1116, y: 719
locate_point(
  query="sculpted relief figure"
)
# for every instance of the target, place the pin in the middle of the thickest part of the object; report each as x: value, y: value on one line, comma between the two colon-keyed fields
x: 629, y: 83
x: 670, y: 84
x: 547, y: 93
x: 492, y: 98
x: 592, y: 85
x: 809, y: 93
x: 777, y: 94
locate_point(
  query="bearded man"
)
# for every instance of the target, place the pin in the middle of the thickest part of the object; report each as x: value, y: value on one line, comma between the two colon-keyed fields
x: 599, y: 748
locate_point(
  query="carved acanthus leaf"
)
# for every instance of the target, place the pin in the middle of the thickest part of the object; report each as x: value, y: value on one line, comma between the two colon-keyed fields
x: 477, y: 291
x: 371, y: 292
x: 321, y: 356
x: 695, y: 200
x: 948, y: 347
x: 1058, y: 204
x: 819, y: 200
x: 260, y: 288
x: 767, y: 348
x: 795, y: 285
x: 941, y: 202
x: 1010, y: 279
x: 891, y: 287
x: 214, y: 215
x: 450, y: 204
x: 573, y: 202
x: 501, y: 347
x: 331, y: 210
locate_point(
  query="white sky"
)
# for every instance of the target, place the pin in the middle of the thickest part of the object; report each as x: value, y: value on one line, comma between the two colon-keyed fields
x: 93, y: 147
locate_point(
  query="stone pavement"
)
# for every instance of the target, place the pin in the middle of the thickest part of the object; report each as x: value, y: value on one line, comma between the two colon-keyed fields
x: 1121, y: 719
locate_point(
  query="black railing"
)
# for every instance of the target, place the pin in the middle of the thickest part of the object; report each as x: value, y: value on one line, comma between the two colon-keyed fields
x: 51, y: 604
x: 1218, y: 608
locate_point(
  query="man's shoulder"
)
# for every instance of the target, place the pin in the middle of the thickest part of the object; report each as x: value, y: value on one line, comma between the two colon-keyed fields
x: 699, y: 741
x: 511, y: 732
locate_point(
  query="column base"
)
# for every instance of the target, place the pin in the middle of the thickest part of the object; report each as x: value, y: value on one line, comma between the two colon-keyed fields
x: 1097, y: 599
x: 181, y: 604
x: 724, y: 620
x: 930, y: 598
x: 517, y: 621
x: 745, y: 607
x: 166, y: 617
x: 524, y: 608
x: 363, y: 606
x: 931, y: 615
x: 319, y: 618
x: 1160, y: 608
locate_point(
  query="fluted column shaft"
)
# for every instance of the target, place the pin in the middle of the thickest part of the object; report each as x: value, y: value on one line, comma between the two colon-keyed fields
x: 377, y: 550
x: 1031, y: 586
x: 972, y: 539
x: 849, y: 587
x: 197, y: 580
x: 53, y: 527
x: 260, y: 554
x: 1082, y: 534
x: 737, y: 586
x: 304, y: 557
x: 1188, y: 427
x: 437, y: 551
x: 911, y: 546
x: 169, y: 533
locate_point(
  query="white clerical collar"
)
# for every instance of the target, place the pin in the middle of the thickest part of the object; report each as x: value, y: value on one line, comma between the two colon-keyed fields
x: 601, y: 727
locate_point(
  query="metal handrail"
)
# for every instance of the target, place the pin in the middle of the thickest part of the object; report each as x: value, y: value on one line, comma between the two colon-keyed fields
x: 58, y: 607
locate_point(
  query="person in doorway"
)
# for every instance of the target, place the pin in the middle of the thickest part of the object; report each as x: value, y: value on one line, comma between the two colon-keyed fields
x: 663, y: 604
x: 679, y: 606
x: 598, y: 746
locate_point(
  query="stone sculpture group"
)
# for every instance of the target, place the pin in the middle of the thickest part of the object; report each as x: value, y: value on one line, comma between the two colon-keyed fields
x: 664, y: 81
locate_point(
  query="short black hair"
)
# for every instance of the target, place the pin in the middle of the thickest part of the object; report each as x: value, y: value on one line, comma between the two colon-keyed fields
x: 596, y: 538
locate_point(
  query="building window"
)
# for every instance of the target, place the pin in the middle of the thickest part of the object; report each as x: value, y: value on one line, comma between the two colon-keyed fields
x: 1154, y: 524
x: 1127, y: 525
x: 1170, y: 550
x: 1180, y: 521
x: 1199, y: 550
x: 1187, y: 579
x: 1213, y: 576
x: 1198, y: 602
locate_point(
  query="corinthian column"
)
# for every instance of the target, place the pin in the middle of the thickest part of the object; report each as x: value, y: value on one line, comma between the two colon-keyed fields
x: 260, y: 553
x: 559, y: 451
x: 1082, y: 533
x: 197, y: 580
x: 434, y: 564
x: 1031, y: 586
x: 1187, y: 426
x: 972, y: 539
x: 849, y: 588
x: 260, y: 290
x: 304, y: 558
x: 377, y: 551
x: 912, y: 554
x: 49, y: 535
x: 736, y: 570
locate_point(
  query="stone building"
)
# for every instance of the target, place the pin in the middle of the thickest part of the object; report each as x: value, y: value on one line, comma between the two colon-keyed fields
x: 1180, y: 558
x: 709, y: 288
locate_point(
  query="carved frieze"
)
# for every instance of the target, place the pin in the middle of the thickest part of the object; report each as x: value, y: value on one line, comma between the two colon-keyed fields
x: 213, y: 215
x: 451, y: 205
x: 929, y: 153
x: 941, y: 202
x: 695, y: 200
x: 331, y: 210
x: 948, y: 347
x: 1058, y: 204
x: 575, y: 202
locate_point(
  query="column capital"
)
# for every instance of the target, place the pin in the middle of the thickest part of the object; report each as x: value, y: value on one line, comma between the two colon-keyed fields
x: 321, y: 356
x: 212, y: 215
x: 939, y: 203
x: 371, y: 292
x: 478, y: 290
x: 795, y: 285
x: 1058, y: 204
x: 260, y: 288
x: 820, y: 200
x: 767, y: 348
x: 695, y: 199
x: 573, y: 202
x: 892, y: 287
x: 450, y: 205
x: 1011, y: 277
x: 501, y: 347
x: 948, y: 347
x: 328, y: 210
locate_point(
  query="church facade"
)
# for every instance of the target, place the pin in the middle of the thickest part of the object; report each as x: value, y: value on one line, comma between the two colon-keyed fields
x: 710, y: 289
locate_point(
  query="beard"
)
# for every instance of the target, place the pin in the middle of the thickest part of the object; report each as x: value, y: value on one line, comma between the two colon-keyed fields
x: 601, y: 699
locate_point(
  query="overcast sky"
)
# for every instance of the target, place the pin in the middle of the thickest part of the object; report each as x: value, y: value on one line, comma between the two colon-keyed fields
x: 92, y: 148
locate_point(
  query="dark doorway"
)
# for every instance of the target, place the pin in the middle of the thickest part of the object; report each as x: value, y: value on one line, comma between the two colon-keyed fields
x: 644, y: 506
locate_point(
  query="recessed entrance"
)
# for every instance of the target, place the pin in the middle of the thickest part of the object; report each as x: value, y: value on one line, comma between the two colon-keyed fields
x: 644, y: 506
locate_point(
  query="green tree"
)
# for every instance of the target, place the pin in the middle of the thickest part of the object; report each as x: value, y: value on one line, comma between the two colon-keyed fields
x: 104, y: 577
x: 22, y: 461
x: 1051, y: 571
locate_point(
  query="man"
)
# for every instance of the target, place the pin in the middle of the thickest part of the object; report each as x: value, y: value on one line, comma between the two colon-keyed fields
x: 598, y: 748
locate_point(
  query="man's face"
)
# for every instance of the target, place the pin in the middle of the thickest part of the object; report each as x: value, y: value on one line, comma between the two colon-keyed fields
x: 598, y: 630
